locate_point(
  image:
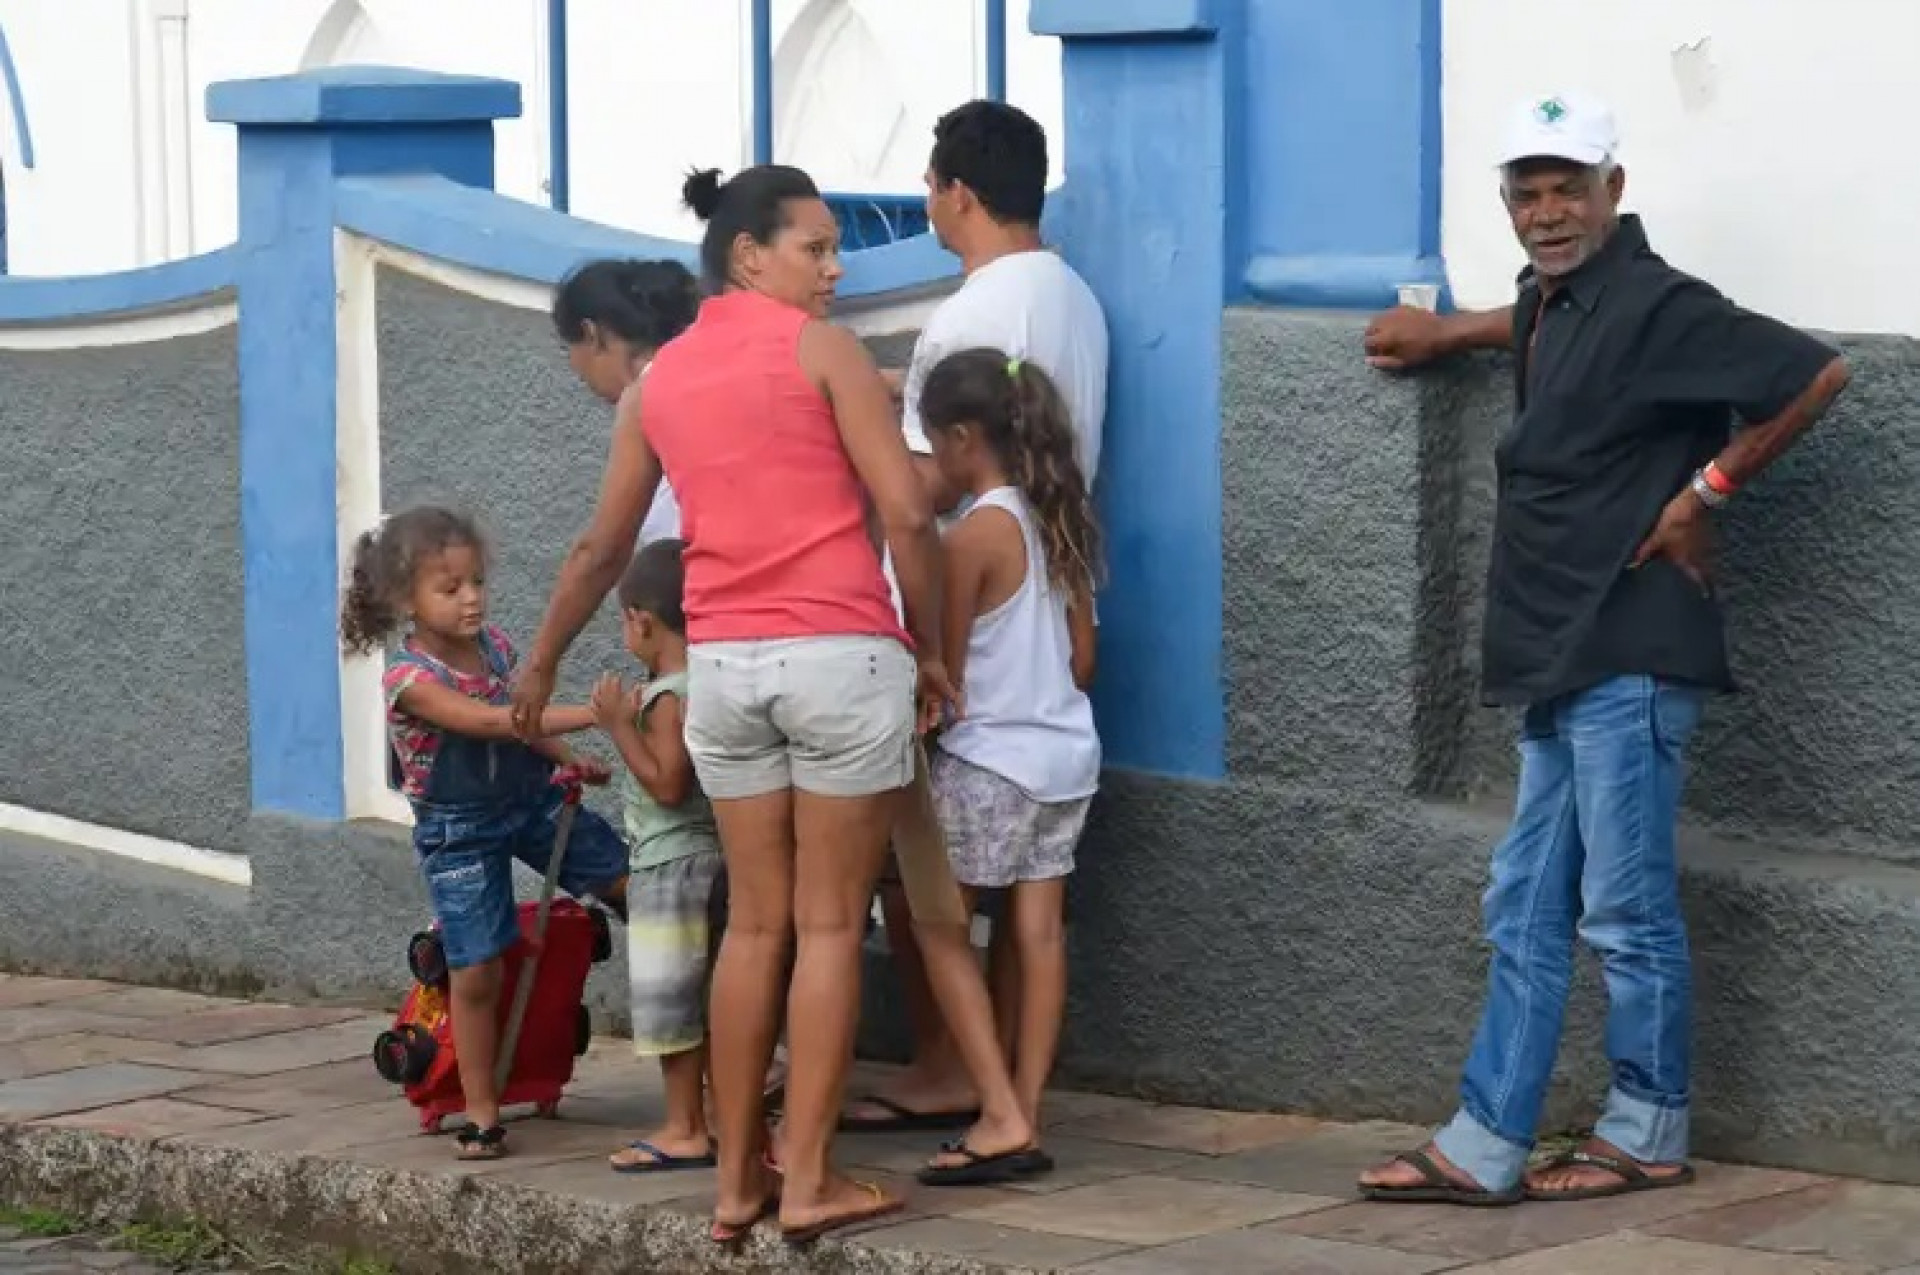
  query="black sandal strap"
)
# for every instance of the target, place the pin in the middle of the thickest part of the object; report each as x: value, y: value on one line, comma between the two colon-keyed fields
x: 472, y: 1135
x: 1420, y: 1160
x: 1624, y: 1169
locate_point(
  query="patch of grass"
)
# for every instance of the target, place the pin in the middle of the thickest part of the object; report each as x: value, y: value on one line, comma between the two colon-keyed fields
x: 43, y: 1223
x: 189, y: 1243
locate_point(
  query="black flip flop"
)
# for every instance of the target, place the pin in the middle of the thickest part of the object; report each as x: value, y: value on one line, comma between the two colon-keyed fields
x: 905, y: 1119
x: 1631, y: 1178
x: 663, y: 1162
x: 1437, y: 1188
x: 984, y: 1170
x: 474, y: 1143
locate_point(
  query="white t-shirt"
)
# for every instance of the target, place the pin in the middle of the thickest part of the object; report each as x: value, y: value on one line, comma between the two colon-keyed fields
x: 1037, y: 308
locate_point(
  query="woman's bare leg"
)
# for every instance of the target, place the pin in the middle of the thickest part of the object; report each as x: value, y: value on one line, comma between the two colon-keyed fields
x: 756, y: 835
x: 841, y: 843
x: 1039, y: 934
x: 1003, y: 981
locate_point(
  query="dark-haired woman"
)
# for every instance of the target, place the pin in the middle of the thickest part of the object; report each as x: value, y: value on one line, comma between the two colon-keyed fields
x: 614, y: 315
x: 805, y: 691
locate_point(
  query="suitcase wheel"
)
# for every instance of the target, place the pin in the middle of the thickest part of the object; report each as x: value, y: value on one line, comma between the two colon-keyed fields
x: 403, y: 1056
x: 427, y: 959
x: 602, y: 937
x: 548, y: 1111
x: 582, y: 1031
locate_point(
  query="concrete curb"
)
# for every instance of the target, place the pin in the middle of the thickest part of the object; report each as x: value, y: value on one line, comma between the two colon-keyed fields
x: 424, y: 1223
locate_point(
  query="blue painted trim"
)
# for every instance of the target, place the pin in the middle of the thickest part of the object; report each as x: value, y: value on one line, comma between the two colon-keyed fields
x: 1145, y: 220
x: 1125, y: 19
x: 363, y: 95
x: 762, y: 34
x: 1342, y: 167
x: 1340, y: 283
x: 62, y: 299
x: 482, y: 230
x: 559, y: 135
x: 16, y: 102
x: 873, y: 221
x: 997, y: 50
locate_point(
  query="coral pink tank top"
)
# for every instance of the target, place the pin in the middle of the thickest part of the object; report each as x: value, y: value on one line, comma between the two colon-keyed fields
x: 772, y: 513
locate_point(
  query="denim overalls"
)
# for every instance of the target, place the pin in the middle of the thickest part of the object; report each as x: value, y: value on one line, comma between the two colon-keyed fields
x: 487, y: 803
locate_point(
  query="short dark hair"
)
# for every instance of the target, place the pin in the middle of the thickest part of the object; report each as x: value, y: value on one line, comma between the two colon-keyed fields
x: 645, y: 303
x: 752, y: 202
x: 999, y: 153
x: 654, y: 582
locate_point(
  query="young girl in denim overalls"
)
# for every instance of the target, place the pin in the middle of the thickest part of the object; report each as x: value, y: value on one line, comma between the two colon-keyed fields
x: 480, y: 797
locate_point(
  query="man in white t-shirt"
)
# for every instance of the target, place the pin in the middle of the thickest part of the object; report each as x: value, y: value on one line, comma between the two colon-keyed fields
x: 986, y: 185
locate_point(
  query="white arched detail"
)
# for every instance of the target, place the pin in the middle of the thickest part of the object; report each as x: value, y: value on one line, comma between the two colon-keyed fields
x: 343, y: 25
x: 839, y: 111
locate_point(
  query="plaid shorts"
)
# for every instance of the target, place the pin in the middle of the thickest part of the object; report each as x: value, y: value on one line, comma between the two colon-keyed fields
x: 996, y: 834
x: 675, y: 912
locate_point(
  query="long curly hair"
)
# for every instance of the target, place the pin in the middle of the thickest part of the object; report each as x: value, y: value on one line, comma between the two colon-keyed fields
x: 1027, y: 426
x: 380, y: 579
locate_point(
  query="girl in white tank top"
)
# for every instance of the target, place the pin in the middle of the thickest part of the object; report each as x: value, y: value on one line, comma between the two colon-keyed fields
x: 1014, y: 775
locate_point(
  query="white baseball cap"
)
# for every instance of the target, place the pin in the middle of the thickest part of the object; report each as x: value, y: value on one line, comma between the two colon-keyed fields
x: 1572, y: 126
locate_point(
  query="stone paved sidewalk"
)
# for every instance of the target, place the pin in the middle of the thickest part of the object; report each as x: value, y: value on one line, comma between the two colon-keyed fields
x: 1141, y: 1189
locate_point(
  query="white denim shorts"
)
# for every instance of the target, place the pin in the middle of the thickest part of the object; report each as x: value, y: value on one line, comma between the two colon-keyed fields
x: 832, y: 716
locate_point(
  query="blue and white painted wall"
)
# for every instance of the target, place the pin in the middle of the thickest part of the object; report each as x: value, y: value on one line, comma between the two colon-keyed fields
x: 131, y: 173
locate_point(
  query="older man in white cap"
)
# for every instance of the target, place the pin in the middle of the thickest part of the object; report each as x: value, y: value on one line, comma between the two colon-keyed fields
x: 1601, y: 626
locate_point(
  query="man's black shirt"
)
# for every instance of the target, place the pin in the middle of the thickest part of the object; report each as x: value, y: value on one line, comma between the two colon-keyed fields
x: 1626, y: 380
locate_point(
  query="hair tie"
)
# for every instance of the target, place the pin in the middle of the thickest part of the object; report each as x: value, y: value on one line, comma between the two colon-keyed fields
x: 1013, y: 369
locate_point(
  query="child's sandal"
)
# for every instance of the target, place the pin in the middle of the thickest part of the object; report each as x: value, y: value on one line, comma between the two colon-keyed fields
x: 475, y: 1143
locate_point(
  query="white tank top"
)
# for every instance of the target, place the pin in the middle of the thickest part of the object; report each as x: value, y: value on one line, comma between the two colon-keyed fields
x: 1025, y: 719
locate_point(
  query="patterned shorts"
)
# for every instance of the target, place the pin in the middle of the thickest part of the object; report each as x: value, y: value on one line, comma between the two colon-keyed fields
x: 996, y: 834
x: 674, y: 911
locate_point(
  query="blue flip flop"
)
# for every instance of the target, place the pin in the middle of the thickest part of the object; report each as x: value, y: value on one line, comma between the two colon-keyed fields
x: 662, y: 1162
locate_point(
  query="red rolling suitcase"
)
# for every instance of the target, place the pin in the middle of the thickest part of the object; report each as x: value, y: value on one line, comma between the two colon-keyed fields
x: 544, y: 1024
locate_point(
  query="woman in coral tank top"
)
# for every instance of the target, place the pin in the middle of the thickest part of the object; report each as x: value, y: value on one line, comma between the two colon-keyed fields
x: 805, y: 692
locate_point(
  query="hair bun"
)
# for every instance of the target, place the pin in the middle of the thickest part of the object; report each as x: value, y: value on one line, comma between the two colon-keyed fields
x: 701, y: 192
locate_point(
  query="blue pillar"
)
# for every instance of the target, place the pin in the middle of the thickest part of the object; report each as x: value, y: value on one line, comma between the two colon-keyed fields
x: 298, y: 135
x: 760, y: 20
x: 1150, y: 220
x: 559, y: 99
x: 997, y: 49
x: 1343, y: 150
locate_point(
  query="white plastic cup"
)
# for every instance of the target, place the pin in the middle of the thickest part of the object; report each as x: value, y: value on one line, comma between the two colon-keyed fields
x: 1420, y: 296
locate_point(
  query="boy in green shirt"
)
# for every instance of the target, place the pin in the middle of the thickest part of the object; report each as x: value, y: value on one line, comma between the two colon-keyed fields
x: 676, y: 887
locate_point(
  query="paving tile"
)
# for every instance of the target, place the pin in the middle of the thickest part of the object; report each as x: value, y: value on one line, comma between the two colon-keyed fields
x: 147, y: 1002
x: 986, y: 1242
x: 318, y: 1132
x: 532, y: 1143
x: 288, y: 1050
x: 1630, y: 1253
x: 1261, y: 1250
x: 287, y: 1093
x: 36, y: 1022
x: 232, y: 1022
x: 152, y: 1118
x: 1864, y: 1222
x: 1147, y: 1210
x: 1484, y: 1234
x: 27, y: 989
x: 87, y: 1087
x: 588, y: 1177
x: 1325, y: 1162
x: 1079, y: 1161
x: 1064, y: 1106
x: 1192, y: 1129
x: 45, y: 1054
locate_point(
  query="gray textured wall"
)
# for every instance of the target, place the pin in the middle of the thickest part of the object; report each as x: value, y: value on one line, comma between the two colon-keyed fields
x: 1308, y: 931
x: 121, y: 588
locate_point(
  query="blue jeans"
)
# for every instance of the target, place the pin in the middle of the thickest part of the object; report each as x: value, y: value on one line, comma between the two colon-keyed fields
x: 1591, y: 848
x: 467, y: 852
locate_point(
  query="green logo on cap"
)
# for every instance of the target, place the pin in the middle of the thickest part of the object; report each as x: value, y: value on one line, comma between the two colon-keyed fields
x: 1551, y: 111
